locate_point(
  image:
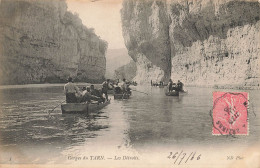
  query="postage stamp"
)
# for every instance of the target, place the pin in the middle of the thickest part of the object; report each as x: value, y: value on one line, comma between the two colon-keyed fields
x: 230, y: 113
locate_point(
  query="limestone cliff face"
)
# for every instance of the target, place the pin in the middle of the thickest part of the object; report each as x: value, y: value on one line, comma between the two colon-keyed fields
x: 146, y: 34
x: 127, y: 71
x: 42, y: 42
x: 209, y: 43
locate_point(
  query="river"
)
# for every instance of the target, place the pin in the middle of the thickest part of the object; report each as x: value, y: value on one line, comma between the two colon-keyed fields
x: 30, y: 134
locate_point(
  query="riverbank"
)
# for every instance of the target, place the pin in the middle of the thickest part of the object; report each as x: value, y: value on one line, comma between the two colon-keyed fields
x: 81, y: 84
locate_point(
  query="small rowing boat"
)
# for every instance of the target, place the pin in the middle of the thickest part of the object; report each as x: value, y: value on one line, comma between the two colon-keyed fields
x: 161, y: 86
x: 183, y: 92
x: 110, y: 91
x: 176, y: 93
x: 172, y: 93
x: 122, y: 96
x: 74, y: 108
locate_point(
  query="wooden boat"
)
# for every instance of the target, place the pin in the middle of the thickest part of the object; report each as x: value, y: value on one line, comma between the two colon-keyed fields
x: 173, y: 93
x: 110, y: 91
x: 72, y: 108
x: 183, y: 92
x: 122, y: 96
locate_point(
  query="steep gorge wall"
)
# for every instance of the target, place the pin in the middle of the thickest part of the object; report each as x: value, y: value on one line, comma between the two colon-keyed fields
x: 146, y: 35
x: 127, y: 71
x: 212, y: 43
x: 43, y: 42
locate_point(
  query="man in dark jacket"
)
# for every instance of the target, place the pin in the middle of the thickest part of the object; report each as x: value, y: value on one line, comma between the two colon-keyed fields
x: 106, y: 86
x: 170, y: 85
x: 180, y: 86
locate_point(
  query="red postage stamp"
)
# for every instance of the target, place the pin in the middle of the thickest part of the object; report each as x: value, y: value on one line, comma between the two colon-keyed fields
x: 230, y: 113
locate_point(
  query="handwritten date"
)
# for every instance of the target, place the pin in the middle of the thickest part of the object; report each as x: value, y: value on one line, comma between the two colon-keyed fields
x: 183, y: 157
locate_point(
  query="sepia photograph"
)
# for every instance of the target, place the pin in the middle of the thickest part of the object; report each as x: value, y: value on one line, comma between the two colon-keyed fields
x: 130, y: 83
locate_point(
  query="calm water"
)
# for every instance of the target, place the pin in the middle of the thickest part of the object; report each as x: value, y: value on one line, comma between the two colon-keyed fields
x: 142, y: 122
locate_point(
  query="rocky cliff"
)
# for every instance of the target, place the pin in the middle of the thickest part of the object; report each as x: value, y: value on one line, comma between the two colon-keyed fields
x: 127, y: 71
x: 115, y: 58
x: 201, y: 42
x: 43, y: 42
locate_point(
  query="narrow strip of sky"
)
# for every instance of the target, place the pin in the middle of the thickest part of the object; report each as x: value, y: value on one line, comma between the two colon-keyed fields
x: 103, y: 16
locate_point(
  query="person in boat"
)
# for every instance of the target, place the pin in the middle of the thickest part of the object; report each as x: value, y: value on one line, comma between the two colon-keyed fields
x: 180, y: 86
x: 70, y: 90
x: 125, y: 87
x: 128, y: 89
x: 174, y: 87
x: 87, y: 97
x: 117, y: 89
x: 106, y: 86
x: 170, y: 85
x: 117, y: 81
x: 96, y: 93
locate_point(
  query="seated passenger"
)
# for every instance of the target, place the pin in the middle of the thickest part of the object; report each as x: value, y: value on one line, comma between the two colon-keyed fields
x: 87, y: 97
x: 128, y: 89
x: 180, y: 86
x: 96, y: 93
x: 117, y: 89
x: 174, y: 87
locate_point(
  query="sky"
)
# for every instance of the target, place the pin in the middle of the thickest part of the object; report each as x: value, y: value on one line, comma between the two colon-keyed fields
x: 103, y: 16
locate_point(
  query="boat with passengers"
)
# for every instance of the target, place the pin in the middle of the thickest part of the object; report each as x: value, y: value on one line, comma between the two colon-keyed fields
x: 85, y: 108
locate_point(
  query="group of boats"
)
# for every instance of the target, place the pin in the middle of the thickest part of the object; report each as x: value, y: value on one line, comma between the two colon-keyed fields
x: 86, y: 107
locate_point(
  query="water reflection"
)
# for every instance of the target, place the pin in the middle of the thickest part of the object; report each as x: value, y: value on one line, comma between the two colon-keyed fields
x: 138, y: 123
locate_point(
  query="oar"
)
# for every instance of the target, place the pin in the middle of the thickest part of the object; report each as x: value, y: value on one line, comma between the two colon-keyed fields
x: 56, y: 107
x: 141, y: 92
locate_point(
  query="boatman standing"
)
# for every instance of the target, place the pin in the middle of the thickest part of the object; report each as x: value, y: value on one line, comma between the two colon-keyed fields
x: 170, y: 85
x: 106, y: 86
x: 124, y: 86
x: 70, y: 90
